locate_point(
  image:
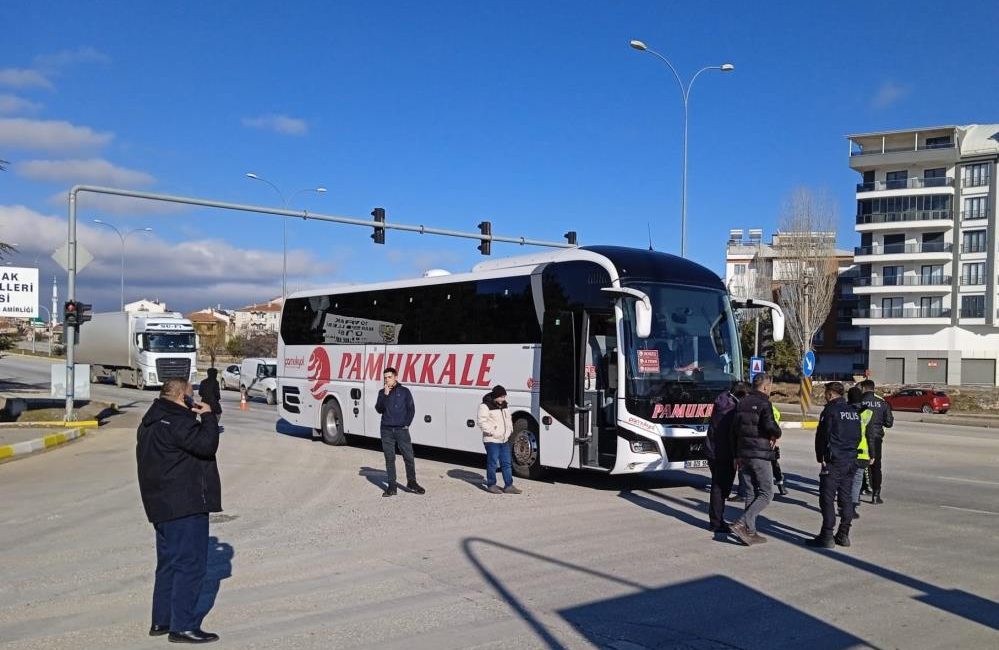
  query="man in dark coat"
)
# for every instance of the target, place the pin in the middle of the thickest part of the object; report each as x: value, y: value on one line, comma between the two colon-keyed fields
x: 395, y: 405
x: 210, y: 392
x: 721, y: 454
x: 836, y: 441
x: 756, y: 432
x: 179, y: 483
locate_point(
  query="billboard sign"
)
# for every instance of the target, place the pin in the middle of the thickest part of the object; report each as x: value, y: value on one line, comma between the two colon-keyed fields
x: 18, y: 292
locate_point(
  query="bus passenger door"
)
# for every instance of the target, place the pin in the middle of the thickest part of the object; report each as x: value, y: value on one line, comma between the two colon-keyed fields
x: 597, y: 433
x: 560, y: 388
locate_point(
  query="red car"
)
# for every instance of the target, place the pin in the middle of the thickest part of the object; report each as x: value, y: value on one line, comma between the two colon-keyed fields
x: 919, y: 399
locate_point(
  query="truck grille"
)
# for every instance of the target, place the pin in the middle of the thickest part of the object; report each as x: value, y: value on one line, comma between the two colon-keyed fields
x: 173, y: 368
x: 683, y: 449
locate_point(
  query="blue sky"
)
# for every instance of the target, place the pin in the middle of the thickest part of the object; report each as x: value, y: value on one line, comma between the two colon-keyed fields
x: 534, y: 115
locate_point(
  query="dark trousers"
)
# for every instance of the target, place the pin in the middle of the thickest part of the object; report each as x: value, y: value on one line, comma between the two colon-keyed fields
x: 778, y: 474
x: 181, y: 563
x: 722, y: 477
x: 877, y: 450
x: 836, y: 487
x: 393, y: 437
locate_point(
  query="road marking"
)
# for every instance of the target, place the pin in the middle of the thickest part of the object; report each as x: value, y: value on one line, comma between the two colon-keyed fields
x: 977, y: 512
x: 966, y: 480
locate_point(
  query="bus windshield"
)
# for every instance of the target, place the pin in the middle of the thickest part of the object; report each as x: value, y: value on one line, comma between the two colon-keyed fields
x: 169, y: 343
x: 693, y: 341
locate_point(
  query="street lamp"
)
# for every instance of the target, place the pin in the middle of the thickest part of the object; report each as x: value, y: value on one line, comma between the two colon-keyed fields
x: 284, y: 225
x: 685, y: 92
x: 122, y: 237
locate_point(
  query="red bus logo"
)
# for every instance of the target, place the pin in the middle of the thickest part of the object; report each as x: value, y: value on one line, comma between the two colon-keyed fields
x: 319, y: 372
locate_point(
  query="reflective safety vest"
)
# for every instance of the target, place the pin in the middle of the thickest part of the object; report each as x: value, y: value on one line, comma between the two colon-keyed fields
x: 776, y: 413
x: 863, y: 452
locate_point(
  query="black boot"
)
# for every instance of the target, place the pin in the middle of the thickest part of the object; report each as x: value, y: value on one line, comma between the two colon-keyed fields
x: 842, y: 538
x: 876, y: 498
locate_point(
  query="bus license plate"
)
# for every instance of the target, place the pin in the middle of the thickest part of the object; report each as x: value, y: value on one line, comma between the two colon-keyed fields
x: 695, y: 463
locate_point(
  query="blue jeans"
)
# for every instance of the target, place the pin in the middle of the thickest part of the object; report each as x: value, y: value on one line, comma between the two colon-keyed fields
x: 181, y: 564
x: 858, y: 482
x: 498, y: 453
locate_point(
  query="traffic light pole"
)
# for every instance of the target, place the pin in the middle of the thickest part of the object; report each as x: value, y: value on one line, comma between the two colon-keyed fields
x: 70, y: 333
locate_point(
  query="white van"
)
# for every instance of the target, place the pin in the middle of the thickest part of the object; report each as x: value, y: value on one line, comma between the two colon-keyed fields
x: 258, y: 376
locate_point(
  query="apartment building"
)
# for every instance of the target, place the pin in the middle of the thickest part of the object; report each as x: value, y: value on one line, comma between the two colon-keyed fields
x: 262, y: 318
x: 926, y: 215
x: 753, y: 268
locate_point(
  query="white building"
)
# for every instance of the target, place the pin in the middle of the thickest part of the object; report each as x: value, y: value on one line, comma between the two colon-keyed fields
x: 153, y: 306
x: 754, y: 268
x: 926, y: 214
x: 262, y: 318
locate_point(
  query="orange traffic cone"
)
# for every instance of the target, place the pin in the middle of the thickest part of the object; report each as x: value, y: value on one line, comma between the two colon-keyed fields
x: 243, y: 406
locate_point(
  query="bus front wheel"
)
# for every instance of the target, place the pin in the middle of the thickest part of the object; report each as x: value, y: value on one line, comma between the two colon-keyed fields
x: 332, y: 424
x: 525, y: 450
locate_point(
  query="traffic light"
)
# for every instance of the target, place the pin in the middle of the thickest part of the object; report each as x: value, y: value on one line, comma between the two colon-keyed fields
x: 486, y: 247
x: 83, y: 313
x: 379, y: 234
x: 69, y: 314
x: 570, y: 237
x: 766, y: 335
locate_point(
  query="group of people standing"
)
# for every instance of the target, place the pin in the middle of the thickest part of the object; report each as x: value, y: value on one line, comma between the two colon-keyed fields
x: 743, y: 440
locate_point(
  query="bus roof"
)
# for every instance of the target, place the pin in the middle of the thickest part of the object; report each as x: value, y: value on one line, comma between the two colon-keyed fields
x: 629, y: 263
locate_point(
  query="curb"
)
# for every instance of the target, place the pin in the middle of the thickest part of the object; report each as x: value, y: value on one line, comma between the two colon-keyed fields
x: 799, y: 425
x: 39, y: 444
x: 76, y: 424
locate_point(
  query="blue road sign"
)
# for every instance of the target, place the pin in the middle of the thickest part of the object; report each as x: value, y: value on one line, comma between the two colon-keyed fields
x: 808, y: 364
x: 755, y: 366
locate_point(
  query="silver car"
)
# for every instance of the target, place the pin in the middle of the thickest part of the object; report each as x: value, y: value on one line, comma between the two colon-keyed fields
x: 229, y: 378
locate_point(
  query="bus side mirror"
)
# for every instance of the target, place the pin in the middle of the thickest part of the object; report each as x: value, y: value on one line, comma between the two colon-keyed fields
x: 643, y: 318
x: 777, y: 317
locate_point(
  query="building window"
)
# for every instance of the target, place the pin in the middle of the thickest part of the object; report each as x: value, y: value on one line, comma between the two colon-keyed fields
x: 972, y: 306
x: 936, y: 177
x: 740, y: 269
x: 931, y: 307
x: 977, y: 175
x: 892, y: 275
x: 932, y: 274
x: 891, y: 307
x: 976, y: 207
x: 973, y: 273
x: 939, y: 142
x: 896, y: 180
x: 973, y: 241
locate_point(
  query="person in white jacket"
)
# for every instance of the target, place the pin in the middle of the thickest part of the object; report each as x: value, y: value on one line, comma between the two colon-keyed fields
x: 497, y: 425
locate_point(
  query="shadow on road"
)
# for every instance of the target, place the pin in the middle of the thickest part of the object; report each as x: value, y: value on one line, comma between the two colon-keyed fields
x: 376, y: 477
x: 472, y: 478
x: 686, y: 614
x: 286, y: 428
x: 220, y: 556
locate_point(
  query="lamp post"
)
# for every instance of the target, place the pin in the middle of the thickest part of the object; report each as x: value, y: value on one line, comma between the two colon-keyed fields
x: 122, y: 237
x: 685, y: 92
x: 284, y: 225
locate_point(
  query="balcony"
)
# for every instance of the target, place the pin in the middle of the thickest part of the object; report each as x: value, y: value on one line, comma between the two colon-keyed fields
x: 972, y: 312
x: 904, y: 249
x: 912, y: 219
x: 913, y: 155
x: 903, y: 284
x: 972, y: 280
x: 902, y: 316
x: 971, y: 215
x: 905, y: 184
x: 884, y: 150
x: 975, y: 181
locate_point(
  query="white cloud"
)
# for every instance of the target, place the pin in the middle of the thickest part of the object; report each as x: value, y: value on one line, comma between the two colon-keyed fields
x: 11, y: 104
x: 889, y: 93
x: 65, y: 58
x: 187, y: 274
x: 277, y: 123
x: 49, y: 135
x: 23, y: 78
x: 96, y: 171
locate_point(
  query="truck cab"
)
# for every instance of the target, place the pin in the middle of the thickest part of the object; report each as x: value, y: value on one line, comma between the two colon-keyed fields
x: 258, y: 376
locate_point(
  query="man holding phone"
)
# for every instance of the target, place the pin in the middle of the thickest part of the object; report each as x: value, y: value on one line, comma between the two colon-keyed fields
x: 179, y: 483
x: 395, y: 404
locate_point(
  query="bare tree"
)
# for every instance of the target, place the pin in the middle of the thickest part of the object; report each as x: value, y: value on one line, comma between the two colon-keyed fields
x: 805, y: 264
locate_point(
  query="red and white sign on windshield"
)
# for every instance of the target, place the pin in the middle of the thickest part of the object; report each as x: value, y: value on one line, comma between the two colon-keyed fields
x: 648, y: 361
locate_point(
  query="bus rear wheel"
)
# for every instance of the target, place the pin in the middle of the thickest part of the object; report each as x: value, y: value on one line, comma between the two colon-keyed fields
x: 331, y: 424
x: 525, y: 449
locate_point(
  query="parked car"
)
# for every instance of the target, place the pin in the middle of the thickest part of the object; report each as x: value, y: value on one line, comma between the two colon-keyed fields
x: 229, y: 378
x: 919, y: 399
x: 259, y: 377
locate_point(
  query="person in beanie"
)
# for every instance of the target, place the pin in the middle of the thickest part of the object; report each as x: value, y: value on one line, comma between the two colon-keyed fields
x: 210, y: 392
x: 497, y: 425
x: 179, y: 484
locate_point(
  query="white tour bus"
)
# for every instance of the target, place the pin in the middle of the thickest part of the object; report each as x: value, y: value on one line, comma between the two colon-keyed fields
x: 611, y: 357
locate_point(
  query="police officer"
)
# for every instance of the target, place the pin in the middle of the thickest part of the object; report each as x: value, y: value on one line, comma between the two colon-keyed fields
x: 775, y: 465
x: 836, y: 440
x: 853, y: 396
x: 881, y: 419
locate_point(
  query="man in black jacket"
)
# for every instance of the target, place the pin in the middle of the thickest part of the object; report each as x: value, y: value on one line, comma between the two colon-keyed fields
x: 756, y: 434
x: 720, y: 447
x: 836, y: 440
x: 211, y: 393
x: 881, y: 419
x: 179, y: 483
x: 395, y: 404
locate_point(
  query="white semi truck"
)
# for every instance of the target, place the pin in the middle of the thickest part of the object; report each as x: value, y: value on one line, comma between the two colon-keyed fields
x: 138, y: 348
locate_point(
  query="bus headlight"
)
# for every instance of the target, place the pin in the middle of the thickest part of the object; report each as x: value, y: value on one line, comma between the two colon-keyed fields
x: 644, y: 447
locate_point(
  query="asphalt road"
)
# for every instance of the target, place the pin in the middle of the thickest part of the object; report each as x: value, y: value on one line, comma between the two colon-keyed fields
x: 309, y: 555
